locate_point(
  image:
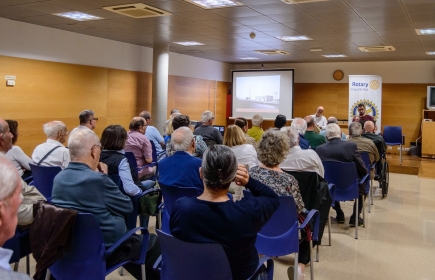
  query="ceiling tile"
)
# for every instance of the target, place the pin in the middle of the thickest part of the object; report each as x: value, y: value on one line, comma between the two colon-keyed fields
x: 323, y: 6
x: 254, y: 20
x: 334, y: 14
x: 294, y: 17
x: 393, y: 10
x: 371, y: 3
x: 275, y: 8
x: 199, y: 15
x: 236, y: 12
x: 175, y: 6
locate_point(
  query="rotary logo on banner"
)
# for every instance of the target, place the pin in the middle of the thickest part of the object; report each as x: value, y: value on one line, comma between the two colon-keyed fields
x: 367, y: 90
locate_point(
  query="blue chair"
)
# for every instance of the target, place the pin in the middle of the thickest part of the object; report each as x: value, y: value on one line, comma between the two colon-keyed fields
x: 280, y: 235
x: 43, y: 177
x: 393, y: 137
x: 369, y: 184
x: 132, y: 160
x: 345, y: 178
x: 186, y: 261
x: 87, y: 258
x: 170, y: 195
x: 14, y: 244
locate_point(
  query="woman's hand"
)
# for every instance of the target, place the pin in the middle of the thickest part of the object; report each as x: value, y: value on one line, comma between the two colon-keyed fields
x: 242, y: 175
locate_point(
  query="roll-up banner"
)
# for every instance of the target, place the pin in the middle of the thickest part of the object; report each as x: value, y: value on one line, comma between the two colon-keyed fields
x: 366, y: 89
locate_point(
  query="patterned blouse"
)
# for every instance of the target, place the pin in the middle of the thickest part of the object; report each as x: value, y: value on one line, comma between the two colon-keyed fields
x: 280, y: 182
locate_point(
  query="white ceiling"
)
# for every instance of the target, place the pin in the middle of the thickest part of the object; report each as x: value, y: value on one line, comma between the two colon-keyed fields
x: 336, y: 26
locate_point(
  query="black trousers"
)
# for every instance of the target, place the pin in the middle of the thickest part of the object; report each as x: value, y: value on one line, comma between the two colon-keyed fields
x: 337, y: 206
x: 130, y: 250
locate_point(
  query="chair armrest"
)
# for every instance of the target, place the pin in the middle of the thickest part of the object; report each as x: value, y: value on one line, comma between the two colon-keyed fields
x: 331, y: 188
x: 123, y: 238
x: 270, y: 266
x: 364, y: 178
x: 312, y: 215
x: 157, y: 265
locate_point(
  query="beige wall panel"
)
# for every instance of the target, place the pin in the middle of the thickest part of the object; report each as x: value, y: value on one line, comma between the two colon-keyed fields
x: 143, y: 91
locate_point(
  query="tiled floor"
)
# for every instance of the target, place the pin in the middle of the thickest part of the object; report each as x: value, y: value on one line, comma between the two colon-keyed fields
x: 397, y: 243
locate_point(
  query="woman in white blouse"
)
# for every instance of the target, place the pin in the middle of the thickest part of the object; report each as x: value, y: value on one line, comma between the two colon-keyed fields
x: 16, y: 154
x: 245, y: 153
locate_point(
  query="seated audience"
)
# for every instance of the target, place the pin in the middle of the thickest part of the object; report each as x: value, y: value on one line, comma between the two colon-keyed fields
x: 81, y: 188
x: 183, y: 143
x: 168, y: 131
x: 174, y: 112
x: 140, y: 146
x: 243, y: 124
x: 256, y: 131
x: 200, y: 145
x: 153, y: 135
x: 370, y: 133
x: 87, y: 119
x: 332, y: 120
x: 16, y: 154
x: 245, y: 153
x: 298, y: 159
x: 344, y: 151
x: 10, y: 199
x: 312, y: 137
x: 280, y: 122
x: 30, y: 194
x: 363, y: 144
x: 53, y: 152
x: 209, y: 134
x: 214, y: 218
x: 301, y: 126
x: 272, y: 150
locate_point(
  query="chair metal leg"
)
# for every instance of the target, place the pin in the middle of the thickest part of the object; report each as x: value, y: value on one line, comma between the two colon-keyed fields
x: 400, y: 154
x: 371, y: 190
x: 142, y: 268
x: 159, y: 219
x: 364, y: 213
x: 311, y: 261
x: 28, y: 264
x: 329, y: 230
x: 317, y: 253
x: 16, y: 265
x: 47, y: 275
x: 296, y: 266
x: 121, y: 271
x: 356, y: 219
x: 369, y: 200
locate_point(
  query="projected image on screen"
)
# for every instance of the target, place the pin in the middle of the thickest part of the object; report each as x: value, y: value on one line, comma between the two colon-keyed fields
x: 264, y: 92
x: 260, y: 93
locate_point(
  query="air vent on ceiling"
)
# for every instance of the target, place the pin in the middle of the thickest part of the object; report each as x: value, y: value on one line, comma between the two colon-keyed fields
x: 138, y: 10
x: 301, y: 1
x: 273, y: 52
x: 377, y: 49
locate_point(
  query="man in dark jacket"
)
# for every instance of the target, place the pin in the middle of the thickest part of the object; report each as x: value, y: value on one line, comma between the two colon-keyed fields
x: 343, y: 151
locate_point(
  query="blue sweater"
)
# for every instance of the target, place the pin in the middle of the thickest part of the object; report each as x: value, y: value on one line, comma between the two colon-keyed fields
x: 180, y: 170
x: 234, y: 225
x: 78, y: 187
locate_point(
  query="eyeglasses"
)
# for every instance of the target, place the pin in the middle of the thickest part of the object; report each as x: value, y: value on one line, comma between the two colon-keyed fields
x: 95, y: 119
x: 97, y: 145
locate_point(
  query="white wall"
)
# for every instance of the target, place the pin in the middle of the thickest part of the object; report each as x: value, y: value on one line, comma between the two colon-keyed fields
x: 397, y: 72
x: 19, y: 39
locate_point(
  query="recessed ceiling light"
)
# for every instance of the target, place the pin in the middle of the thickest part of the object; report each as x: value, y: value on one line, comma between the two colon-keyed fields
x: 430, y: 53
x: 248, y: 58
x: 79, y: 16
x: 316, y: 50
x: 189, y: 43
x: 213, y: 4
x: 427, y: 31
x: 334, y: 55
x: 294, y: 38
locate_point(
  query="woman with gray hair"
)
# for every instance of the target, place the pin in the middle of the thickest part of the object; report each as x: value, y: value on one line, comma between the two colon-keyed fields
x: 272, y: 150
x: 214, y: 218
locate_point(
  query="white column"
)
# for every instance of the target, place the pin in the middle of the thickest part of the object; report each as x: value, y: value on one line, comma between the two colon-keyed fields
x: 160, y: 84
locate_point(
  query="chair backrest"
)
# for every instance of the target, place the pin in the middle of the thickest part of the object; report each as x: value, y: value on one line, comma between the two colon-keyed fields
x: 345, y: 178
x: 86, y: 259
x: 284, y: 225
x: 132, y: 160
x: 153, y: 148
x: 392, y: 135
x: 43, y: 177
x: 186, y: 261
x: 14, y: 244
x: 170, y: 195
x: 365, y: 157
x: 131, y: 219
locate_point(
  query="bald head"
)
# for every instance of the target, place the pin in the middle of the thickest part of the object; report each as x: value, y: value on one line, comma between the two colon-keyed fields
x: 369, y: 126
x: 319, y: 111
x: 310, y: 122
x: 136, y: 123
x: 182, y: 138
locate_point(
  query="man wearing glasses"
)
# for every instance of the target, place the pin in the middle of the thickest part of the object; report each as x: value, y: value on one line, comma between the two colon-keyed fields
x: 87, y: 120
x: 53, y: 152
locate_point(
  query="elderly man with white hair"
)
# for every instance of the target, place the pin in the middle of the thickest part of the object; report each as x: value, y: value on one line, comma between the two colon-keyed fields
x: 298, y: 159
x: 333, y: 119
x: 183, y: 143
x: 84, y: 186
x: 301, y: 126
x: 209, y: 134
x: 10, y: 199
x: 53, y: 152
x: 343, y: 151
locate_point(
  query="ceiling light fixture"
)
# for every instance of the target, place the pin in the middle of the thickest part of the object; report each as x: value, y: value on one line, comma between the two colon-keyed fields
x: 248, y: 58
x: 316, y: 49
x: 294, y: 38
x: 334, y: 55
x: 214, y: 4
x: 430, y: 53
x: 189, y: 43
x: 79, y: 16
x: 426, y: 31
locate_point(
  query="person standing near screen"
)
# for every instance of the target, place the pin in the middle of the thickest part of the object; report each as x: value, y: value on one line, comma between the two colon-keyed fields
x: 319, y: 119
x: 363, y: 117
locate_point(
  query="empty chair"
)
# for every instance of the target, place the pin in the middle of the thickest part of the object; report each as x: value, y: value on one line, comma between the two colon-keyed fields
x: 345, y: 178
x: 43, y: 177
x: 186, y: 261
x: 170, y: 195
x: 87, y: 258
x: 393, y: 137
x: 280, y: 235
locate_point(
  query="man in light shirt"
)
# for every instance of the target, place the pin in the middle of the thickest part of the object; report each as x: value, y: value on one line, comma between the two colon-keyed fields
x: 319, y: 119
x: 53, y: 152
x: 87, y: 120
